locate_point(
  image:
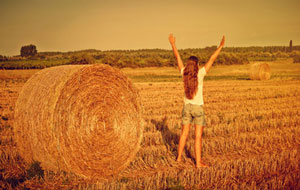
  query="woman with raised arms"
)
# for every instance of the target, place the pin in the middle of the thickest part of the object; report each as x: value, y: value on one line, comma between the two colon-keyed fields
x: 193, y: 112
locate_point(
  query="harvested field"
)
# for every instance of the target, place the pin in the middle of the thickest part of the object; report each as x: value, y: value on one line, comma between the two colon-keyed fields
x: 251, y: 140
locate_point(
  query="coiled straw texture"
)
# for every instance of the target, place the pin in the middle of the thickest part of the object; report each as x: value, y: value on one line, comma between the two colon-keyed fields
x: 80, y: 119
x: 260, y: 71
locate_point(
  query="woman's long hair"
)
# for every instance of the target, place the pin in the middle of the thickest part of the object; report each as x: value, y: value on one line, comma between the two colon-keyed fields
x: 190, y: 77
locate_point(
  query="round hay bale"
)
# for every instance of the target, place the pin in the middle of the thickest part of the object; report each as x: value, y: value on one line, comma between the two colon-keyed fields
x: 260, y: 71
x: 80, y: 119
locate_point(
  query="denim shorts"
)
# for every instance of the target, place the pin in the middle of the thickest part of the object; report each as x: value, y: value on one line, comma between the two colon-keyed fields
x: 192, y: 113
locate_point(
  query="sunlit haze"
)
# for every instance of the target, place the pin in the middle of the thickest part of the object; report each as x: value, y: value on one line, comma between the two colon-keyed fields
x: 68, y: 25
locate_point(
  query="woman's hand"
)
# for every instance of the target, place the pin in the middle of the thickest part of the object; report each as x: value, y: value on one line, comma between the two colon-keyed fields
x: 222, y: 42
x: 172, y: 39
x: 214, y: 56
x: 176, y: 53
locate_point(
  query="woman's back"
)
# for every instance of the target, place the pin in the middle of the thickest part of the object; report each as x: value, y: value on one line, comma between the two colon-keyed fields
x: 198, y: 97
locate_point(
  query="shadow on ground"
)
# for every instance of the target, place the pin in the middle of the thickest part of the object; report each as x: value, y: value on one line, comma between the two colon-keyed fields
x: 171, y: 138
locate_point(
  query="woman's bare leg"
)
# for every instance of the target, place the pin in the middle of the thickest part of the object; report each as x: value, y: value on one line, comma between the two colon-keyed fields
x: 183, y: 136
x: 198, y: 145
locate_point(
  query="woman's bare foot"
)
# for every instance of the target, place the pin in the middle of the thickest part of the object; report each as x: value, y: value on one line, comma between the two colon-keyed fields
x: 201, y: 164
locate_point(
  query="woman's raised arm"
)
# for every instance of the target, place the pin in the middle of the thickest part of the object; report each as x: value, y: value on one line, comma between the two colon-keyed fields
x: 214, y: 56
x: 176, y: 53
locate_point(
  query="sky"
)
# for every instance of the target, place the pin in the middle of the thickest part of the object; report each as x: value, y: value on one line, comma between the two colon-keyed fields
x: 70, y: 25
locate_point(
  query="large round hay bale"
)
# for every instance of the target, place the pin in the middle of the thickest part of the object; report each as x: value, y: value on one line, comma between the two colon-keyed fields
x: 81, y: 119
x: 260, y: 71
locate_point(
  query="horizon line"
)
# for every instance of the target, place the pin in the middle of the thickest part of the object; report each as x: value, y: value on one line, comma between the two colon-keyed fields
x: 140, y: 49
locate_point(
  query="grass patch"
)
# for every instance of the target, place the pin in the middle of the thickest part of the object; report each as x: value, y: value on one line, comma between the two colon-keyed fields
x: 156, y: 78
x: 32, y: 64
x: 286, y: 76
x: 227, y: 77
x: 174, y: 78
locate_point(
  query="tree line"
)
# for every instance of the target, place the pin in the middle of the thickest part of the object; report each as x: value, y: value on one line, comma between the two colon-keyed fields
x: 30, y: 58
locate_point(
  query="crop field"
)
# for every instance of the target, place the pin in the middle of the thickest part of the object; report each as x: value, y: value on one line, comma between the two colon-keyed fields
x: 251, y: 140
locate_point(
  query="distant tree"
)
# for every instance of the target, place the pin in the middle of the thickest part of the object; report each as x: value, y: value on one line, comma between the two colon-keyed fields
x: 29, y: 50
x: 296, y: 59
x: 3, y: 58
x: 99, y: 56
x: 296, y: 56
x: 282, y: 54
x: 82, y: 59
x: 291, y: 46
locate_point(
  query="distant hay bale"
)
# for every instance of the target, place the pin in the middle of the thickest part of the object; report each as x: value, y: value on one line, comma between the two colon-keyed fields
x: 260, y: 71
x: 84, y: 119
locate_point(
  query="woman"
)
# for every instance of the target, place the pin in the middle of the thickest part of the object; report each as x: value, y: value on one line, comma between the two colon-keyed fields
x: 193, y: 112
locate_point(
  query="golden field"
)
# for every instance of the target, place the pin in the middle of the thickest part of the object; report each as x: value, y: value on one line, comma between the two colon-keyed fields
x: 251, y: 140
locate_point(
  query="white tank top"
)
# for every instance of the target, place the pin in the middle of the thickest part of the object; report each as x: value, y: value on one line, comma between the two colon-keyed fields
x: 198, y: 98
